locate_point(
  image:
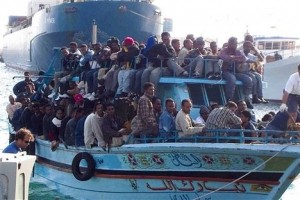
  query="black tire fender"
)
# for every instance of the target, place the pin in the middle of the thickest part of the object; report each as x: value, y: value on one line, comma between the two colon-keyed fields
x: 89, y: 171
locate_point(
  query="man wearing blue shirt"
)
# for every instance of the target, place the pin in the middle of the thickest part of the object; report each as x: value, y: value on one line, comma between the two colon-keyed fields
x: 22, y: 140
x: 167, y: 119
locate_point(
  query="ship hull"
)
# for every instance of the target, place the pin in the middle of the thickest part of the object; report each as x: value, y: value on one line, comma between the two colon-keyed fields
x: 172, y: 171
x: 32, y: 48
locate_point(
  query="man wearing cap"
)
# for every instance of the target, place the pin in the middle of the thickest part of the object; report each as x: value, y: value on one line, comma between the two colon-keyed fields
x: 126, y: 59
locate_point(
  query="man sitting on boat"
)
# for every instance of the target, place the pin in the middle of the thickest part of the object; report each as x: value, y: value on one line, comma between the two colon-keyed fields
x: 257, y: 93
x: 144, y: 123
x: 231, y: 59
x: 184, y: 123
x: 167, y: 120
x: 161, y: 61
x: 20, y: 86
x: 113, y: 128
x: 70, y: 65
x: 126, y: 59
x: 280, y: 122
x: 93, y: 135
x: 194, y: 62
x: 22, y: 140
x: 223, y: 118
x: 187, y: 46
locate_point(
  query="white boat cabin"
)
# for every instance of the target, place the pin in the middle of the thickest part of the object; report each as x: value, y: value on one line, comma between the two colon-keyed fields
x: 277, y: 48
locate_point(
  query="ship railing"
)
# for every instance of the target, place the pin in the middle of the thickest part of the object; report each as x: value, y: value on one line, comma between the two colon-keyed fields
x: 222, y: 136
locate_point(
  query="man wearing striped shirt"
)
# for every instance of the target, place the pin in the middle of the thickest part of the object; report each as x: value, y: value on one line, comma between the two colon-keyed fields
x: 223, y: 118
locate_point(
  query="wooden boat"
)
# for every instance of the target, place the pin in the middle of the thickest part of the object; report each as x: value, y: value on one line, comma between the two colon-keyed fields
x: 170, y: 170
x: 174, y: 170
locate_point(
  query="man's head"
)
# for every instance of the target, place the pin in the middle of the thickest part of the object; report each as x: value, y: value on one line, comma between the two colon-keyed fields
x: 27, y: 76
x: 232, y: 43
x: 73, y: 47
x: 98, y: 108
x: 204, y: 112
x: 241, y: 105
x: 165, y: 37
x: 176, y: 44
x: 231, y: 106
x: 170, y: 105
x: 156, y: 104
x: 188, y: 43
x: 23, y: 138
x: 149, y: 89
x: 186, y: 106
x: 110, y: 109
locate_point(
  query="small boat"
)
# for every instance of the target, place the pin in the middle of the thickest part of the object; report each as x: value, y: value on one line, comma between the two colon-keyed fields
x: 282, y: 59
x: 173, y: 170
x: 15, y: 174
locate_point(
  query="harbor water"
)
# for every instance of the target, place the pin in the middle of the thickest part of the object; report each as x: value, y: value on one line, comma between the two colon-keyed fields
x: 39, y: 190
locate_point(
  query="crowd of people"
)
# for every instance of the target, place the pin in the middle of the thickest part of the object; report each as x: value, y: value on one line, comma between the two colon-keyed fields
x: 106, y: 92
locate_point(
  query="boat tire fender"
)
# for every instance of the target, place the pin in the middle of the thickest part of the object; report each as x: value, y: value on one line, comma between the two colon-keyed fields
x: 87, y: 173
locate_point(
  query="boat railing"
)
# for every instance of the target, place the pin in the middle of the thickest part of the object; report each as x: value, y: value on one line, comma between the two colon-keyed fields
x: 221, y: 136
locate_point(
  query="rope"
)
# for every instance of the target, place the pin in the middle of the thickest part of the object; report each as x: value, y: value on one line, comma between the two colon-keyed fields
x: 198, y: 198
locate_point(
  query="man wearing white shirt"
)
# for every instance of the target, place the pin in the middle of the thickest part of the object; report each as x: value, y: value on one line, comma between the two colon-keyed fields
x: 183, y: 121
x: 291, y: 95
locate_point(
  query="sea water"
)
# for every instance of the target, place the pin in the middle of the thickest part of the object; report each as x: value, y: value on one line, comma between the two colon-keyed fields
x: 38, y: 189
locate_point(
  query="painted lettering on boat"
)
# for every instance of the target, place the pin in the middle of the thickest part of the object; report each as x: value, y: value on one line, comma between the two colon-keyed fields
x: 193, y: 186
x: 191, y: 160
x: 185, y: 160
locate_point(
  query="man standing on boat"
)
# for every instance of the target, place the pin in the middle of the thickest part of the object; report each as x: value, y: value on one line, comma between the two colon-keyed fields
x: 291, y: 95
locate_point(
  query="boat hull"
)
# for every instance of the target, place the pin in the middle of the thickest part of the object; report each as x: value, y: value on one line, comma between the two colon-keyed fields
x: 173, y: 171
x: 32, y: 48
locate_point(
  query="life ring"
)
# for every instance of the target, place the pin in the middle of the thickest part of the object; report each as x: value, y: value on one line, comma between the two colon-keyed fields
x: 90, y: 169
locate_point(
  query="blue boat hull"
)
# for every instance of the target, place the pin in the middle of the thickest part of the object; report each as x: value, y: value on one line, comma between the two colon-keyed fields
x: 32, y: 48
x: 172, y: 171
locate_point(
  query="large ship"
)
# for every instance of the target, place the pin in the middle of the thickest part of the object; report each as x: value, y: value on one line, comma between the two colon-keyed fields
x: 49, y: 24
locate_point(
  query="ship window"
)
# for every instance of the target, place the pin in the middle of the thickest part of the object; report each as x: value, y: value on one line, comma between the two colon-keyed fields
x: 268, y: 45
x: 261, y: 46
x: 276, y: 45
x: 285, y: 45
x: 292, y: 45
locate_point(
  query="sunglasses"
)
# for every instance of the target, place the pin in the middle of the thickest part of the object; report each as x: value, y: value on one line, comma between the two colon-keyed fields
x: 26, y: 141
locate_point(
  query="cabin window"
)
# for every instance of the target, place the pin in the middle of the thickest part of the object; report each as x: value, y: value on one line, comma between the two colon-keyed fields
x: 276, y: 45
x: 268, y: 45
x: 261, y: 45
x: 287, y: 45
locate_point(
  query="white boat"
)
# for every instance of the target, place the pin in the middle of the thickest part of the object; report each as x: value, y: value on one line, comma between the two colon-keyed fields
x: 15, y: 174
x: 278, y: 66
